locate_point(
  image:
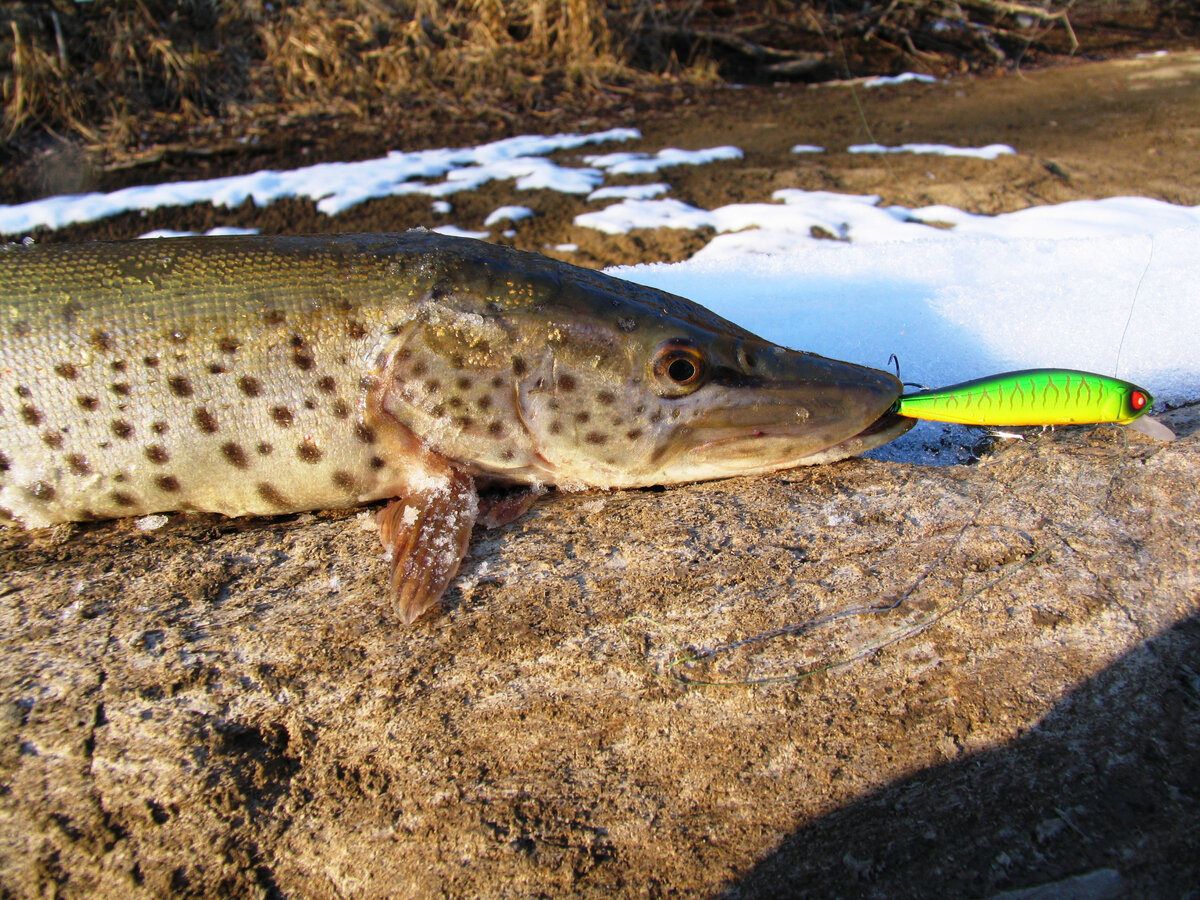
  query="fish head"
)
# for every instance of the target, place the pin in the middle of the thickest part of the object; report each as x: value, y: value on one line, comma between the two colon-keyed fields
x: 673, y: 401
x: 527, y: 370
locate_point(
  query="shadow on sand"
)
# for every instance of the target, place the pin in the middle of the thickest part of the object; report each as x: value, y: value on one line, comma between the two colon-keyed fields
x: 1108, y: 780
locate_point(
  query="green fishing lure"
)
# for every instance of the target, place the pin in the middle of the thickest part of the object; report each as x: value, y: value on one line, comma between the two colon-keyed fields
x: 1031, y: 397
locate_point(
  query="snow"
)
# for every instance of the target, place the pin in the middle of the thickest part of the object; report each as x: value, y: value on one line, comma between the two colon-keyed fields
x: 223, y: 230
x: 991, y: 151
x: 629, y: 192
x: 808, y: 148
x: 883, y: 80
x: 645, y: 163
x: 507, y: 214
x: 337, y: 186
x: 954, y: 295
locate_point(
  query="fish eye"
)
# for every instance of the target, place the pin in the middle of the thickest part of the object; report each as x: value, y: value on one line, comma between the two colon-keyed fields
x: 1138, y: 400
x: 679, y: 366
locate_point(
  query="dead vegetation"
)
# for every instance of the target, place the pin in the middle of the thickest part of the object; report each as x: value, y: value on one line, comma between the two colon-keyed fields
x: 103, y: 71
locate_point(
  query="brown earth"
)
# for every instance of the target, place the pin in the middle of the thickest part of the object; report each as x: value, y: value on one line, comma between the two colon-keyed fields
x: 229, y: 708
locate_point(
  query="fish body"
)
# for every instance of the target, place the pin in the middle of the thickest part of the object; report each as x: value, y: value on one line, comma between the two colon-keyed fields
x: 261, y: 375
x: 1031, y: 397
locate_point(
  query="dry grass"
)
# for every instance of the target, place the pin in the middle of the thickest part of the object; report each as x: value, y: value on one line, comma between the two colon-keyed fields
x: 97, y: 67
x: 103, y: 69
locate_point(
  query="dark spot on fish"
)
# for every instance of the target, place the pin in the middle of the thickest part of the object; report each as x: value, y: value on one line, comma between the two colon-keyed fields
x: 438, y: 411
x: 273, y: 317
x: 432, y: 386
x: 264, y: 449
x: 249, y: 385
x: 566, y: 383
x: 234, y: 454
x: 180, y: 386
x: 656, y: 416
x: 495, y: 429
x: 520, y: 367
x: 271, y: 494
x: 23, y: 391
x: 79, y: 464
x: 326, y: 384
x: 355, y: 330
x: 120, y: 477
x: 345, y: 481
x: 66, y: 370
x: 123, y: 499
x: 375, y: 462
x: 507, y: 455
x: 157, y: 454
x: 633, y: 434
x: 4, y: 464
x: 556, y: 427
x: 216, y: 369
x: 283, y: 416
x: 52, y: 439
x: 595, y: 437
x: 308, y: 452
x: 340, y: 409
x: 205, y: 420
x: 303, y: 360
x: 464, y: 421
x: 484, y: 402
x: 365, y: 433
x: 31, y: 415
x: 22, y: 329
x: 160, y: 427
x: 150, y: 362
x: 583, y: 417
x: 497, y: 381
x: 122, y: 429
x: 118, y: 365
x: 168, y: 483
x: 121, y: 389
x: 229, y: 345
x: 101, y: 340
x: 41, y: 490
x: 462, y: 383
x: 627, y: 325
x: 605, y: 398
x: 419, y: 368
x: 89, y: 403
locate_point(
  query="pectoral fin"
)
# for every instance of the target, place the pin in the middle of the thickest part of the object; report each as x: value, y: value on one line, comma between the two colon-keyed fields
x: 426, y: 532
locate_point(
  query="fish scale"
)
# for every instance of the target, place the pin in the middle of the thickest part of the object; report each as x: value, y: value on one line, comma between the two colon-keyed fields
x: 259, y: 375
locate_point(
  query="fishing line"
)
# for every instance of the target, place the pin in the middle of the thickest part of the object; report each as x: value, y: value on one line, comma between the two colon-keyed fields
x: 1129, y: 318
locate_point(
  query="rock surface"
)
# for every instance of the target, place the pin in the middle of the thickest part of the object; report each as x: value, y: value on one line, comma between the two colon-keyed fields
x: 1010, y: 696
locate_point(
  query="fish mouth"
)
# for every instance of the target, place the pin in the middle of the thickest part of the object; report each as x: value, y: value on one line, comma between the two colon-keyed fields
x: 754, y: 444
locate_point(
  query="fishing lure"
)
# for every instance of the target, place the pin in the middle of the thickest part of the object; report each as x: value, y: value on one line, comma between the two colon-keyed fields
x: 1036, y: 397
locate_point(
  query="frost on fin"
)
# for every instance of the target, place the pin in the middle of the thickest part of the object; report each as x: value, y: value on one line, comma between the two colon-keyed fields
x: 426, y: 532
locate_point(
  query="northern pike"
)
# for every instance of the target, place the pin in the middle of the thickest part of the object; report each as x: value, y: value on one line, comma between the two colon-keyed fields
x: 264, y: 375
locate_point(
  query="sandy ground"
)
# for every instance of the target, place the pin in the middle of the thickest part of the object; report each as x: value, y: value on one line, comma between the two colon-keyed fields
x: 228, y: 708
